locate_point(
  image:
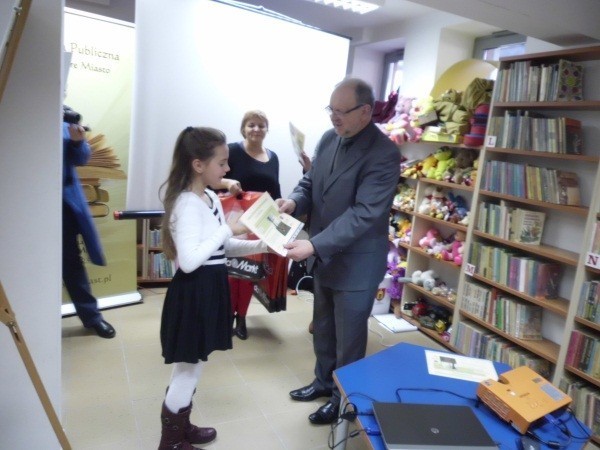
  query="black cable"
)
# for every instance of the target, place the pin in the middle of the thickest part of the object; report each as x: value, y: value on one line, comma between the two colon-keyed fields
x: 476, y: 399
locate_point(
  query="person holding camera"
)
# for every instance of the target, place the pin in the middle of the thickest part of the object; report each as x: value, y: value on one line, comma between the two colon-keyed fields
x: 77, y: 220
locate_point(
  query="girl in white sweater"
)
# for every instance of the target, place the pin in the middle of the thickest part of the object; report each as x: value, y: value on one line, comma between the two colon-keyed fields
x: 196, y: 316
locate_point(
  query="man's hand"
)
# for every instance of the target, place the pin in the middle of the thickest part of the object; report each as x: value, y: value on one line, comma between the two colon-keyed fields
x: 299, y: 250
x: 286, y: 205
x: 76, y: 132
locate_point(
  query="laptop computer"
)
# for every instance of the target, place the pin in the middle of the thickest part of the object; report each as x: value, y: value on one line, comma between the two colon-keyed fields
x: 410, y: 426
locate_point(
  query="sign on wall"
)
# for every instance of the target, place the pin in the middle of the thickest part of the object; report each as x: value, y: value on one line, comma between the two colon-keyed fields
x: 99, y: 87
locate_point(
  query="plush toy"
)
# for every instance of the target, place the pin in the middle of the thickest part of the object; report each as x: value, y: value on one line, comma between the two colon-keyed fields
x: 428, y: 163
x: 398, y: 128
x: 451, y: 112
x: 423, y: 112
x: 463, y: 165
x: 422, y: 278
x: 438, y: 205
x: 445, y: 162
x: 455, y: 253
x: 404, y: 230
x: 425, y: 205
x: 457, y: 208
x: 404, y: 199
x: 431, y: 238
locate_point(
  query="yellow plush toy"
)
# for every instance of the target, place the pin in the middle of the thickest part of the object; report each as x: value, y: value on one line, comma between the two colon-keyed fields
x: 428, y: 164
x: 445, y: 161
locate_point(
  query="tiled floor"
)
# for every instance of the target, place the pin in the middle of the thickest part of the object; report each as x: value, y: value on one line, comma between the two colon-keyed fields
x: 113, y: 389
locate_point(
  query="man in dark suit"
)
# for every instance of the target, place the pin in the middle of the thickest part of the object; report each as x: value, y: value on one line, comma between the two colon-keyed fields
x: 348, y: 193
x: 77, y: 219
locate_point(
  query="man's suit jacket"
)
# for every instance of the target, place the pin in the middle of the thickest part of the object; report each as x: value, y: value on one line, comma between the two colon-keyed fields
x: 349, y: 208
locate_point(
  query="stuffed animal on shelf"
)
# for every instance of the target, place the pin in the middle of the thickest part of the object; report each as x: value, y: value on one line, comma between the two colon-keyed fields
x: 431, y: 238
x: 425, y: 205
x: 404, y: 198
x: 399, y: 128
x: 438, y: 206
x: 445, y: 163
x: 455, y: 253
x: 463, y: 165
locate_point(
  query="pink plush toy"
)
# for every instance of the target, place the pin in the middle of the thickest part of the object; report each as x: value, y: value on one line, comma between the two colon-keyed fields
x: 431, y: 238
x: 456, y: 249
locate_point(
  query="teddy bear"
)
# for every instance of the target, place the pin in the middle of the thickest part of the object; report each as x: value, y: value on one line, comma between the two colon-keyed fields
x: 425, y: 205
x: 463, y: 165
x: 455, y: 253
x: 445, y: 161
x: 404, y: 229
x: 426, y: 278
x: 438, y: 204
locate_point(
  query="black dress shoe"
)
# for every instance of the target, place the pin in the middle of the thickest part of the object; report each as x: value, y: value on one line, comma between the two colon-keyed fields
x: 309, y: 393
x: 326, y: 414
x: 104, y: 329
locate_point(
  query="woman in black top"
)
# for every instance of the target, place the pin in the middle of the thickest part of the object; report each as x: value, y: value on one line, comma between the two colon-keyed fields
x: 252, y: 168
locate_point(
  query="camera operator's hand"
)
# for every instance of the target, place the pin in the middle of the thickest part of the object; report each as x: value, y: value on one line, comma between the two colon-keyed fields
x: 76, y: 132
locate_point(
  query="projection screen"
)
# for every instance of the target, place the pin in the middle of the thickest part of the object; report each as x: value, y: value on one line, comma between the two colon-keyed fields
x: 205, y: 63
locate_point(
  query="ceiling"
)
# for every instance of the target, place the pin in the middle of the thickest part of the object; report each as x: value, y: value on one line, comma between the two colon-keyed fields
x: 564, y: 23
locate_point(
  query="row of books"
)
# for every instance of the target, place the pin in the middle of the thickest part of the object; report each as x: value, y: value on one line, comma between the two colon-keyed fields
x: 511, y: 223
x: 474, y: 340
x: 160, y: 267
x: 154, y: 238
x: 524, y: 82
x: 586, y: 401
x: 532, y: 182
x: 583, y: 353
x: 513, y: 316
x: 526, y: 130
x: 589, y: 300
x: 505, y: 266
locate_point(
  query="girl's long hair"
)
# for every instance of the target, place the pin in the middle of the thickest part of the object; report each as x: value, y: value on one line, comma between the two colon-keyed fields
x: 192, y: 143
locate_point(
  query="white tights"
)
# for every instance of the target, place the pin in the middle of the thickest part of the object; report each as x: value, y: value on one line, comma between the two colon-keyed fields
x: 184, y: 379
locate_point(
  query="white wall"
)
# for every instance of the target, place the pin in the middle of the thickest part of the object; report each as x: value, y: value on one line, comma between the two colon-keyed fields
x: 187, y: 74
x: 30, y: 182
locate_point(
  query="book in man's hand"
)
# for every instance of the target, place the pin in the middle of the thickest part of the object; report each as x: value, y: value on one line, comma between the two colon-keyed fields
x: 272, y: 227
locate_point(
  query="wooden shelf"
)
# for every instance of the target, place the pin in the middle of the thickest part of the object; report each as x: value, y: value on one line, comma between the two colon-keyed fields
x: 443, y: 223
x: 577, y: 210
x: 558, y: 306
x: 547, y: 251
x: 587, y: 323
x: 584, y: 105
x: 145, y: 280
x: 429, y: 332
x: 447, y: 184
x: 549, y: 155
x: 436, y: 298
x: 420, y: 251
x: 581, y: 374
x: 544, y: 348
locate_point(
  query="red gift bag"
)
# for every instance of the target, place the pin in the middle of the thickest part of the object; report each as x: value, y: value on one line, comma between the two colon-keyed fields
x: 249, y: 267
x: 272, y: 290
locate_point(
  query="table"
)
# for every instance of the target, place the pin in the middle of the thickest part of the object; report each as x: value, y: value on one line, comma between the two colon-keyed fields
x: 404, y: 367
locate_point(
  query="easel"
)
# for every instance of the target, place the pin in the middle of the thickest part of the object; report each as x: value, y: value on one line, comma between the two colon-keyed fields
x: 8, y: 318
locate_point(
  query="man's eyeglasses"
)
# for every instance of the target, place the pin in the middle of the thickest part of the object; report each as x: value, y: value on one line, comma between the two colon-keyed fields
x: 337, y: 112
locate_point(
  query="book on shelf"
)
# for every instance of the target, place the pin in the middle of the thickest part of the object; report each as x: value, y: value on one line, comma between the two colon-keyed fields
x: 593, y: 255
x: 98, y: 209
x: 527, y: 226
x: 568, y: 188
x: 548, y: 280
x: 570, y: 81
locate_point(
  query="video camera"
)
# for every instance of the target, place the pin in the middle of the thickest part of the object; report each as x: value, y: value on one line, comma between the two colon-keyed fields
x: 71, y: 116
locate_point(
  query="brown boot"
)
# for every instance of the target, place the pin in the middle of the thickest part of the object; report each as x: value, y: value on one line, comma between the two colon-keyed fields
x: 173, y: 431
x: 194, y: 434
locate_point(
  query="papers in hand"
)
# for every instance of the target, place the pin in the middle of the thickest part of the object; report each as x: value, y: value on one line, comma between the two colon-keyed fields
x: 297, y: 140
x: 272, y: 227
x: 393, y: 323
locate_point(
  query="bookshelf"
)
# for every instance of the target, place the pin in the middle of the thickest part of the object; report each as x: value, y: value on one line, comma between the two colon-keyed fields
x: 567, y: 233
x: 153, y: 268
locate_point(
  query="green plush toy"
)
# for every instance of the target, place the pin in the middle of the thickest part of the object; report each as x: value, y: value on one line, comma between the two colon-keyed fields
x: 445, y: 162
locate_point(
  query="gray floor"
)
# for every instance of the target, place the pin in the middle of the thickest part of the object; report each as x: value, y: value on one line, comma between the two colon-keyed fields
x: 243, y: 393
